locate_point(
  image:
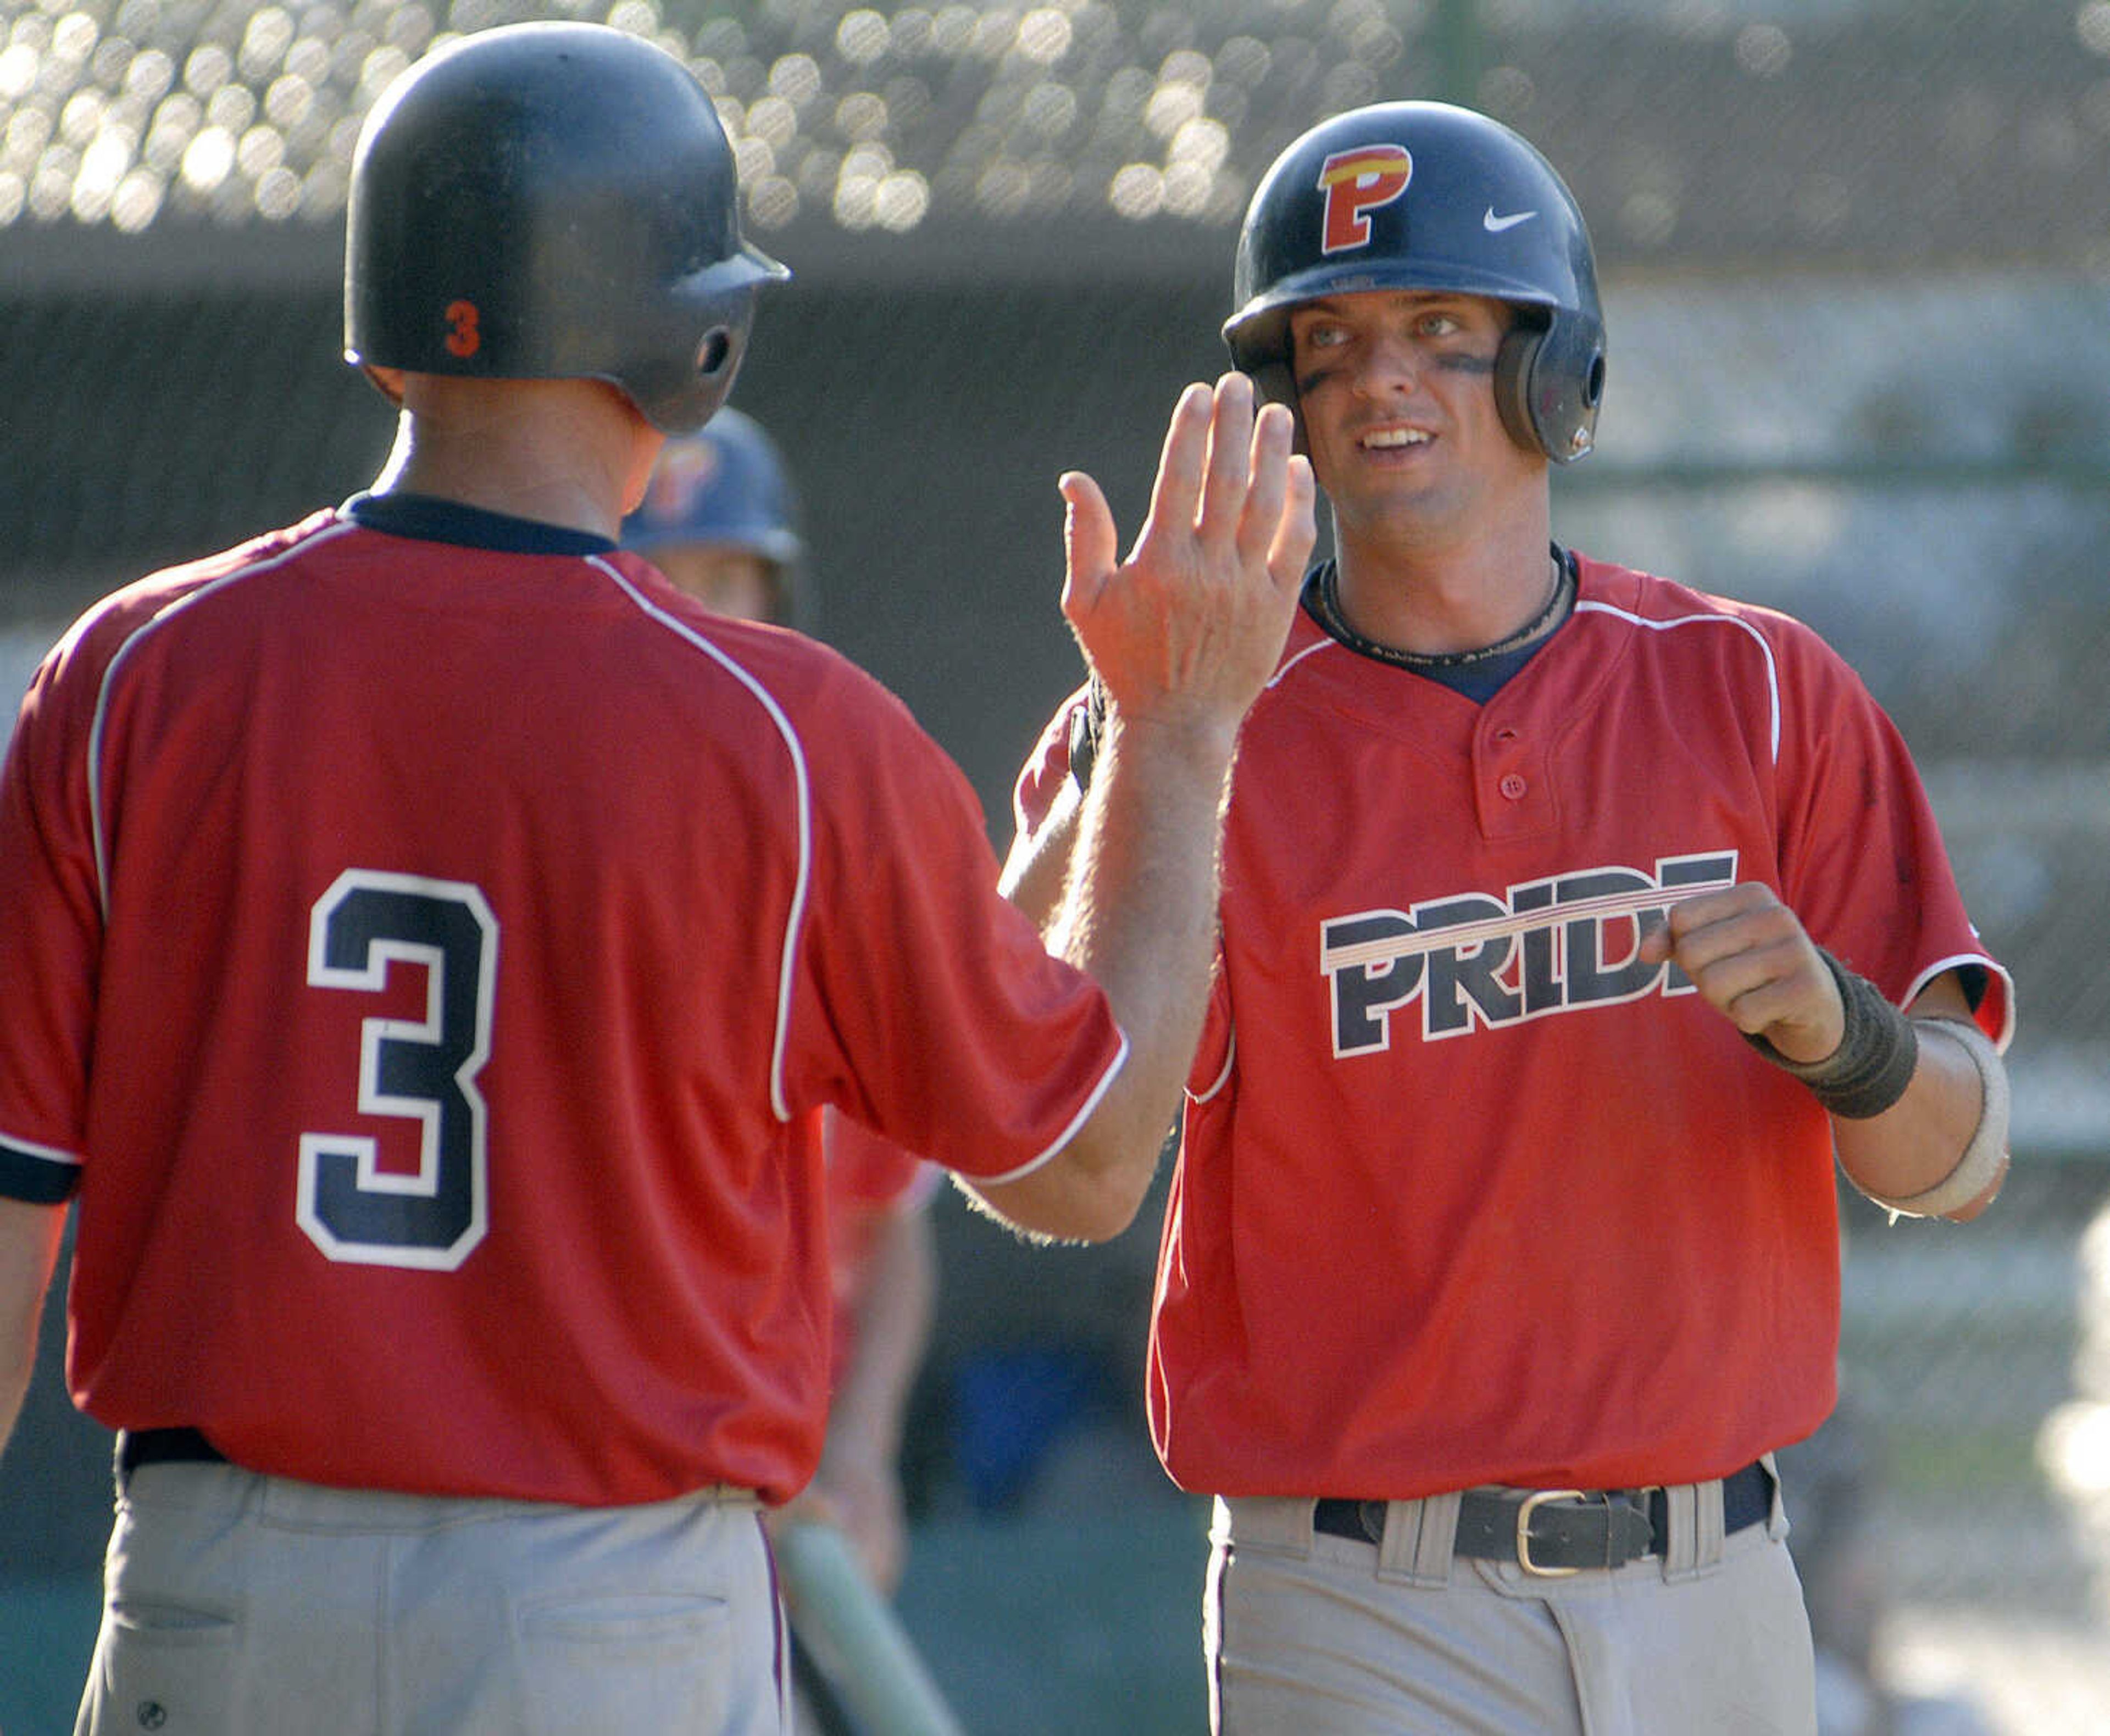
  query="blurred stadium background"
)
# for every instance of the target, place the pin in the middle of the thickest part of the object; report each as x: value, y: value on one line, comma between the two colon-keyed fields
x: 1857, y: 260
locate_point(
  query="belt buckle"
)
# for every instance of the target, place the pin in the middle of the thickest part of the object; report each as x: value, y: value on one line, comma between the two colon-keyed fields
x: 1532, y: 1502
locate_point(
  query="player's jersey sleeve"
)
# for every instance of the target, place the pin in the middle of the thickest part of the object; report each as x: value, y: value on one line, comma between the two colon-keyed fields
x: 55, y: 842
x: 934, y: 1014
x: 1850, y: 795
x: 47, y: 861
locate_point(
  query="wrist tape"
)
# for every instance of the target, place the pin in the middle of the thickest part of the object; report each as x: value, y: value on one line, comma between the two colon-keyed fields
x: 1873, y: 1063
x: 1986, y: 1157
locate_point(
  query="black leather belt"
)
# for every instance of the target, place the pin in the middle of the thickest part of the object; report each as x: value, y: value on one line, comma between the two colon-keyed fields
x: 1553, y: 1532
x: 138, y: 1447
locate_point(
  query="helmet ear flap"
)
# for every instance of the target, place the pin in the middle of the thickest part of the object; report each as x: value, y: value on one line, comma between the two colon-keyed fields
x: 1515, y: 362
x: 1274, y: 381
x: 679, y: 393
x: 1261, y: 350
x: 1549, y: 382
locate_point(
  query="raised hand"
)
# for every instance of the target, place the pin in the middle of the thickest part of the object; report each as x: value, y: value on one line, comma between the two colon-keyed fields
x: 1192, y: 622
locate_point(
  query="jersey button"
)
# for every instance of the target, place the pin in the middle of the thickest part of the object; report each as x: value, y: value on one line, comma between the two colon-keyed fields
x: 1512, y: 785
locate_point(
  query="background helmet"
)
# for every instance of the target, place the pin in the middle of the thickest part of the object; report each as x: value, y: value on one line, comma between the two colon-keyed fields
x: 729, y: 486
x: 1427, y: 195
x: 549, y: 201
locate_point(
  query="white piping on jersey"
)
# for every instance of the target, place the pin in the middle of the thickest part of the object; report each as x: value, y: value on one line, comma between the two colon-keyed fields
x: 1773, y: 672
x: 1216, y: 1084
x: 1070, y: 1132
x: 1588, y: 606
x: 2001, y: 1037
x: 1363, y: 952
x: 168, y: 612
x: 795, y: 919
x: 1323, y: 645
x: 43, y: 1154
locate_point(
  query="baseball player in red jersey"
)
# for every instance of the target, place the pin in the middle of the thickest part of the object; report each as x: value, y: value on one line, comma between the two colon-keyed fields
x: 448, y: 1252
x: 1572, y: 921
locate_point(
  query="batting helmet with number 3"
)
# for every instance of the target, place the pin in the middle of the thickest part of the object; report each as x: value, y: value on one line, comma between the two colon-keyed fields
x: 1427, y: 195
x: 553, y: 200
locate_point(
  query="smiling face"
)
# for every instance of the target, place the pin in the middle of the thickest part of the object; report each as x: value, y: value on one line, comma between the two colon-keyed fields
x: 1396, y: 391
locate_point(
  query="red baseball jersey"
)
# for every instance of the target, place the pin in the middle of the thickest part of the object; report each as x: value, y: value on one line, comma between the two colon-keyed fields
x: 423, y: 959
x: 1467, y: 1193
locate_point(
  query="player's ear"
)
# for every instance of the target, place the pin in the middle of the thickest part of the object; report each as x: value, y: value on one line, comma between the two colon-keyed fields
x: 645, y: 445
x: 388, y: 382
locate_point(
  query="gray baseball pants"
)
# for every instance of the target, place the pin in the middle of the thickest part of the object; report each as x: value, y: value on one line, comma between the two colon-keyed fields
x: 1320, y: 1636
x: 240, y: 1605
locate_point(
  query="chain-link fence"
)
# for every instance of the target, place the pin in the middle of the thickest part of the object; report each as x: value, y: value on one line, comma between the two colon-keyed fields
x: 1857, y: 259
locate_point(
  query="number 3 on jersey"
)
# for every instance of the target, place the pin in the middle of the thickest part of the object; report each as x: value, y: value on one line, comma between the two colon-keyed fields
x: 424, y: 1070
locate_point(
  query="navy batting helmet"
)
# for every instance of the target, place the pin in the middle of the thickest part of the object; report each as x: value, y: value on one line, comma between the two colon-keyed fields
x: 1428, y: 196
x: 726, y: 486
x: 548, y: 201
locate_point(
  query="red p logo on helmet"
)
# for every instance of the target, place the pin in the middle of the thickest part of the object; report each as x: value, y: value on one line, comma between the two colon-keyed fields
x: 1356, y: 183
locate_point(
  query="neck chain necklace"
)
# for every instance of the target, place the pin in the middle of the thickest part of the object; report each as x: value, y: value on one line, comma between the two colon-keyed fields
x: 1331, y: 618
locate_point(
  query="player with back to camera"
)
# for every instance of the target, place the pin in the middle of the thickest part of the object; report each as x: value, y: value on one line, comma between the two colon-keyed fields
x: 720, y: 519
x: 1574, y: 921
x: 429, y: 936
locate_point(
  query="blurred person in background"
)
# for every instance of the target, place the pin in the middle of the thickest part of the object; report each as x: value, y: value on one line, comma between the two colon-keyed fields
x: 720, y: 518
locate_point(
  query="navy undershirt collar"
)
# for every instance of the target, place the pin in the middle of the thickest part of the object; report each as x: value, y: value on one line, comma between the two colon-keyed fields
x: 430, y: 519
x: 1479, y: 681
